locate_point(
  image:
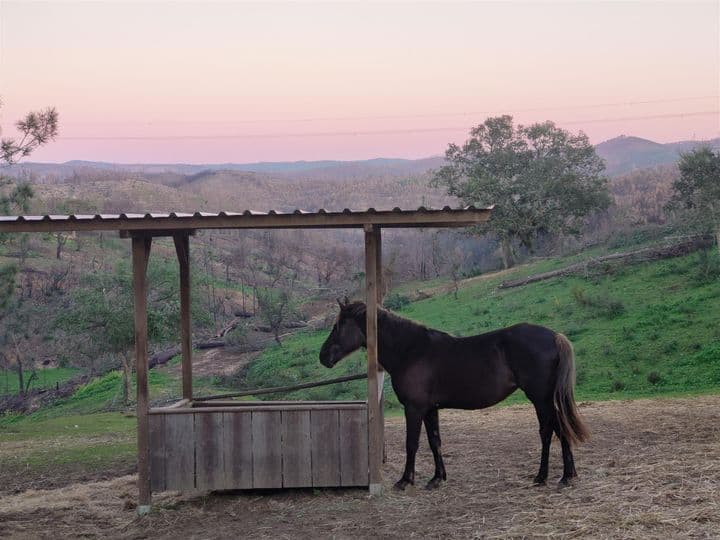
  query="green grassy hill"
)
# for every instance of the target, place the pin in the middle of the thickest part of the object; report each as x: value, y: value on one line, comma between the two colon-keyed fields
x: 640, y: 330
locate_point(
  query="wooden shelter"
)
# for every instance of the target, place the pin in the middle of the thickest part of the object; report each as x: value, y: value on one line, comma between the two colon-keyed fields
x: 201, y: 444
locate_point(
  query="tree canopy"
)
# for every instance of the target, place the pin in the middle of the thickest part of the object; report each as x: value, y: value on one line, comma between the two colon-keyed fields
x: 542, y: 179
x: 697, y: 190
x: 36, y: 129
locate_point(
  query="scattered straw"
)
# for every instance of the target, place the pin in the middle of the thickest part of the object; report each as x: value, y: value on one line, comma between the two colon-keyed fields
x: 651, y: 470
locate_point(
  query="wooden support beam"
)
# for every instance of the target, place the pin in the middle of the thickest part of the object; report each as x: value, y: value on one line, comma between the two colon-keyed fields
x: 182, y: 248
x: 156, y: 233
x: 140, y: 256
x: 164, y: 226
x: 381, y: 371
x: 374, y: 404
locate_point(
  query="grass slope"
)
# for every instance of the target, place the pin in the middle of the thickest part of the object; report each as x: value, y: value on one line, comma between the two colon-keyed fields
x: 642, y: 330
x: 45, y: 378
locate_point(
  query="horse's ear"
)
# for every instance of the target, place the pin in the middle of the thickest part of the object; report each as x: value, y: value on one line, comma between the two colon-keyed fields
x: 347, y: 301
x: 340, y: 303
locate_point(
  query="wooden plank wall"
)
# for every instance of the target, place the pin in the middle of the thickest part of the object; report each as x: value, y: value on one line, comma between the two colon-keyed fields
x: 246, y: 449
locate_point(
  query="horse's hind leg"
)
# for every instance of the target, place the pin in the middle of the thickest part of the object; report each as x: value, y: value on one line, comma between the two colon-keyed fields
x: 568, y: 459
x: 413, y: 423
x: 546, y: 418
x: 432, y: 428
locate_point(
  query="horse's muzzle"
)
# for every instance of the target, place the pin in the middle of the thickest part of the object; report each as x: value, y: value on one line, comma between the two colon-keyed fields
x: 330, y: 356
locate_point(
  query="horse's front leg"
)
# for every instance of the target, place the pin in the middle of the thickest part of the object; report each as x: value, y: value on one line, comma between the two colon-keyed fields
x: 413, y: 422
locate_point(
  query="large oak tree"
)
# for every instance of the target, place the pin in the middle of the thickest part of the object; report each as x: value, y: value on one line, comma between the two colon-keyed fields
x: 542, y: 179
x: 697, y: 190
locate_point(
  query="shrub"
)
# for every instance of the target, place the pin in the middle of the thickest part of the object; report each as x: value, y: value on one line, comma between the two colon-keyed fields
x: 396, y: 301
x: 653, y: 377
x: 237, y: 337
x: 618, y: 385
x: 602, y: 303
x: 708, y: 266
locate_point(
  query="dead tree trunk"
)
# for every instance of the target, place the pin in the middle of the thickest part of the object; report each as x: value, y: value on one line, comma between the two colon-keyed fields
x: 647, y: 254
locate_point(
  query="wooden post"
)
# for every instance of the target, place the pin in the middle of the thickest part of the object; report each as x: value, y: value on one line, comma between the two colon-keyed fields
x: 182, y: 248
x: 140, y: 256
x: 381, y: 371
x: 374, y: 418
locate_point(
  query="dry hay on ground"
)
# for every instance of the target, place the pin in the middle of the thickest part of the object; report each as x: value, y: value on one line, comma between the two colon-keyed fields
x: 652, y: 470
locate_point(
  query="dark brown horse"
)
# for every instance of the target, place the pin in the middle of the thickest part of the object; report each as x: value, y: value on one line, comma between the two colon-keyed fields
x: 432, y: 370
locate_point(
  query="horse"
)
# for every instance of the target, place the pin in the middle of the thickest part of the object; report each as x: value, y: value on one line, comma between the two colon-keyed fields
x: 432, y: 370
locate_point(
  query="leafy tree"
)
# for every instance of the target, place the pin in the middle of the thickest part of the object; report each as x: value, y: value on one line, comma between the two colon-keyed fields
x: 542, y: 179
x: 102, y: 307
x: 697, y: 190
x: 276, y: 307
x: 36, y: 129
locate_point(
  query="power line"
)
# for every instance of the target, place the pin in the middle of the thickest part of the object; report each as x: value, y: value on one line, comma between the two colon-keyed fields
x: 419, y: 115
x: 406, y: 131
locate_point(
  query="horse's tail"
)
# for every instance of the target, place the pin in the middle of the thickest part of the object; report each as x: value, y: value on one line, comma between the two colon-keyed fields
x: 570, y: 423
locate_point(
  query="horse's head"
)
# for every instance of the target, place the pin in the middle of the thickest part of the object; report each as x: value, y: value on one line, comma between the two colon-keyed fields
x: 347, y: 336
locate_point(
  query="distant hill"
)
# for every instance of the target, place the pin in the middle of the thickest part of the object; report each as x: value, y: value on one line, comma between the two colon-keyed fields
x: 624, y: 154
x: 282, y: 168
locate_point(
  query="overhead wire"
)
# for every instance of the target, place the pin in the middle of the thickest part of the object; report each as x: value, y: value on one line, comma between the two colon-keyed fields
x: 398, y: 131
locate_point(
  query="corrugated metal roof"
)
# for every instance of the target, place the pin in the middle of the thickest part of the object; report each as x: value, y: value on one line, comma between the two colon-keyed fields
x: 154, y: 221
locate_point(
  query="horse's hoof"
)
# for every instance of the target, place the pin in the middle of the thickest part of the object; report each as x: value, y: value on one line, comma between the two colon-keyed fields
x: 539, y: 480
x: 401, y: 484
x: 564, y: 482
x: 434, y: 483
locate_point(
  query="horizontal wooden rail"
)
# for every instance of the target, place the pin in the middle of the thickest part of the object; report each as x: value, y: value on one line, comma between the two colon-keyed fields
x: 239, y: 404
x: 267, y: 406
x: 278, y: 389
x: 178, y: 404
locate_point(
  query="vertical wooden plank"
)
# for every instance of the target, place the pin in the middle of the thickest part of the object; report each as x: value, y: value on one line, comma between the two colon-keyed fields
x: 296, y: 449
x: 209, y: 466
x: 140, y: 255
x: 353, y: 448
x: 267, y: 452
x: 157, y: 452
x: 374, y: 438
x: 325, y: 433
x: 381, y: 372
x: 380, y: 287
x: 182, y: 248
x: 238, y: 450
x: 180, y: 452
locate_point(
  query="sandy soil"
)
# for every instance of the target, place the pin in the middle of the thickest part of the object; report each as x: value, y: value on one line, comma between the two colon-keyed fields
x: 651, y: 470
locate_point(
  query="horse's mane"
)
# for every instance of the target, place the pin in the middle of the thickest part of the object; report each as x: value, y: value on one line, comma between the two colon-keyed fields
x: 402, y: 329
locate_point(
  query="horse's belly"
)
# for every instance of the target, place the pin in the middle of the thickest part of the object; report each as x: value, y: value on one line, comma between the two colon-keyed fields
x: 477, y: 401
x: 476, y: 390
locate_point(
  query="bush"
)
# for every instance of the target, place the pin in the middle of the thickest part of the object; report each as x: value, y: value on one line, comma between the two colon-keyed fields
x: 237, y: 337
x: 653, y: 377
x: 708, y: 267
x: 396, y: 301
x: 602, y: 303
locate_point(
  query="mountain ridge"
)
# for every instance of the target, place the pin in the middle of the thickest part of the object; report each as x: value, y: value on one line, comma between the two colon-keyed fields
x: 622, y: 154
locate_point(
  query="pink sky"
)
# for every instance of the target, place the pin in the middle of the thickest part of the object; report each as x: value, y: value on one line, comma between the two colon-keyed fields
x: 135, y: 81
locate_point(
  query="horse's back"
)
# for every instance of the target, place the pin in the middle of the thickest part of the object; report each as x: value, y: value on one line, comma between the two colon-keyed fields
x: 479, y: 371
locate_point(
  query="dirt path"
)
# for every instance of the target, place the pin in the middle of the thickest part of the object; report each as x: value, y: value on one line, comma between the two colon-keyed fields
x: 652, y: 470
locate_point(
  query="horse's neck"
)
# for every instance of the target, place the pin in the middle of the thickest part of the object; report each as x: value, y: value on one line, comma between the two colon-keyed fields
x: 396, y: 339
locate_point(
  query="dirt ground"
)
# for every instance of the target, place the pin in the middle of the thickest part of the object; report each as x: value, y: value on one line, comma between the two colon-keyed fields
x: 651, y: 470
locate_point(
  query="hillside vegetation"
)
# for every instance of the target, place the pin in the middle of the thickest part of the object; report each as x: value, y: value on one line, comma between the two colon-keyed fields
x: 641, y: 330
